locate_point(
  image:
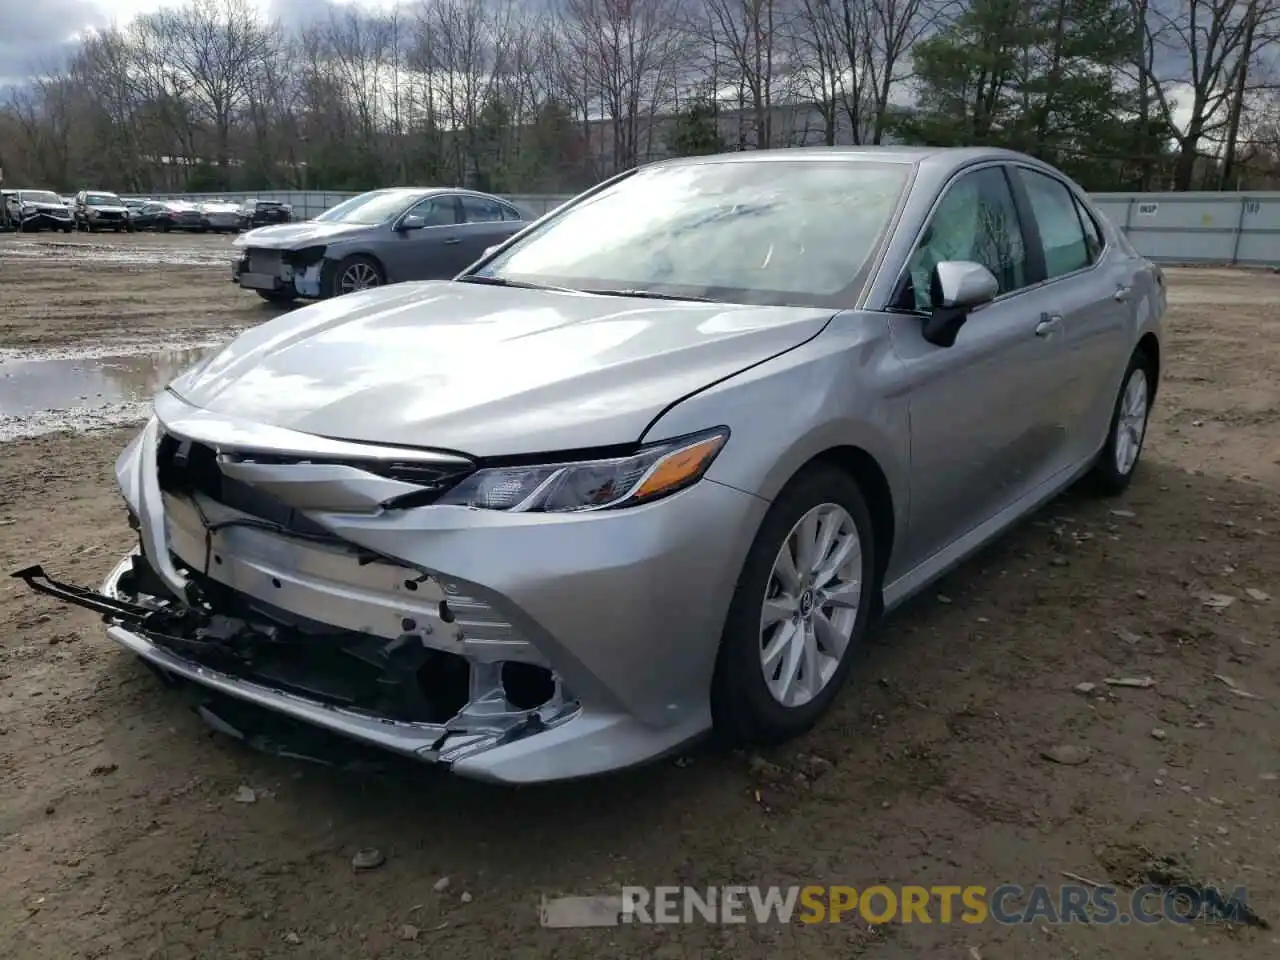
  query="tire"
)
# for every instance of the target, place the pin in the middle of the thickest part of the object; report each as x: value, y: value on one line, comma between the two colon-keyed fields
x: 355, y: 262
x: 744, y: 709
x: 66, y: 229
x: 165, y: 228
x: 276, y: 296
x: 1117, y: 462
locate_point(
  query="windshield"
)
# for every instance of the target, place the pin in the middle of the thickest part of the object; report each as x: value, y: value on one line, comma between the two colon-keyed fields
x: 376, y: 206
x: 38, y: 196
x: 102, y: 200
x: 794, y: 232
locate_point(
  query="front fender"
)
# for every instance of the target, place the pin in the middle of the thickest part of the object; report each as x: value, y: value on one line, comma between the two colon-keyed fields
x: 822, y: 395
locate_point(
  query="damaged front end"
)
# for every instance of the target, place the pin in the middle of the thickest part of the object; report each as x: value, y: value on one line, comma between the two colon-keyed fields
x: 294, y: 273
x: 240, y: 586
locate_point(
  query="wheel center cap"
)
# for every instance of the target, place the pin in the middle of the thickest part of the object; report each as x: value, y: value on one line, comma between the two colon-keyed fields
x: 806, y: 603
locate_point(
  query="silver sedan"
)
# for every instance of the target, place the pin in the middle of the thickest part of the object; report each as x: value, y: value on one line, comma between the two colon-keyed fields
x: 651, y: 467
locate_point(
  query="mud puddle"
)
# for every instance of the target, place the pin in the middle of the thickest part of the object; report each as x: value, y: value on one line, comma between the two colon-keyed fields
x: 84, y: 393
x: 119, y: 252
x: 122, y: 346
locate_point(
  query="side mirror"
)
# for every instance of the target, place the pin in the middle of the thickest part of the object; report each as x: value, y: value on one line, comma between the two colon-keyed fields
x: 956, y: 287
x: 412, y: 222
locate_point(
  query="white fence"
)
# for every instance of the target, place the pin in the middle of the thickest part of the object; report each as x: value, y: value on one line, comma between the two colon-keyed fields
x: 1210, y: 228
x: 1224, y: 228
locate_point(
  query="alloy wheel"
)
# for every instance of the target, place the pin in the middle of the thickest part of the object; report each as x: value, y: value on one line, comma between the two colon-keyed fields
x: 1131, y: 425
x: 811, y: 604
x: 358, y: 276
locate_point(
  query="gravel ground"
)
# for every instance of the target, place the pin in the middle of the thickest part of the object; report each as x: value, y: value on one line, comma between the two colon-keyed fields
x: 122, y: 826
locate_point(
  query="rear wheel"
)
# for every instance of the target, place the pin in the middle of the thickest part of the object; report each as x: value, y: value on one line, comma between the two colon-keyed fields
x: 799, y: 611
x: 357, y: 272
x: 1113, y: 471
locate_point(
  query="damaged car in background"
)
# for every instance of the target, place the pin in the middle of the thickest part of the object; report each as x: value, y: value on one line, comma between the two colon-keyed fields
x: 376, y: 238
x: 30, y: 210
x: 647, y: 470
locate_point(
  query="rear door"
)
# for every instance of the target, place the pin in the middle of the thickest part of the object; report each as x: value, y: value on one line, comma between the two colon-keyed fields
x: 1086, y: 289
x: 487, y: 222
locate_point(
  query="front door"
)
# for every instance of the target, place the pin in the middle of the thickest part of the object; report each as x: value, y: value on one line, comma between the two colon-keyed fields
x: 429, y: 252
x: 983, y: 430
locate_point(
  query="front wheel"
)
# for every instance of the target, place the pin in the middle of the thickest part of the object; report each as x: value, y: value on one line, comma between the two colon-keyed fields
x: 356, y: 272
x: 1113, y: 471
x: 800, y: 610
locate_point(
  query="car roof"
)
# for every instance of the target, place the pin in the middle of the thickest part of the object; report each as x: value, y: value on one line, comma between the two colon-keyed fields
x: 940, y: 159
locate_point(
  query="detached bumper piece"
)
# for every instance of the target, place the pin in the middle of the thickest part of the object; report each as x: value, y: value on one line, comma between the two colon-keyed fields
x: 288, y: 686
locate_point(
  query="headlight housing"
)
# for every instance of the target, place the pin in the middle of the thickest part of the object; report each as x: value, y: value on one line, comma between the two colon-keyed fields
x: 654, y: 472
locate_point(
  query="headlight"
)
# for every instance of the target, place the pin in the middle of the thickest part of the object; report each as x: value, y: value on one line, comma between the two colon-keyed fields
x: 656, y: 471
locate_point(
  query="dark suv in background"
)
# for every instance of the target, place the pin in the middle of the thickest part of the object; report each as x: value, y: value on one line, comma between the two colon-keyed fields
x: 260, y: 213
x: 100, y: 210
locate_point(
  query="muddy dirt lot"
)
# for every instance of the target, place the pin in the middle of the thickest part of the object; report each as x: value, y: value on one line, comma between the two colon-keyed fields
x: 122, y: 826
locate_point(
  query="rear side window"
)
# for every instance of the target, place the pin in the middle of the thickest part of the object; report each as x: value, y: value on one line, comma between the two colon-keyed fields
x: 1061, y: 234
x: 481, y: 210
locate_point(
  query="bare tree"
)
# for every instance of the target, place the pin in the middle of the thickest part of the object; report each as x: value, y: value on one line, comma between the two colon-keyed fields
x: 892, y: 29
x: 1212, y: 42
x: 215, y: 46
x: 818, y: 62
x: 627, y: 52
x: 746, y: 34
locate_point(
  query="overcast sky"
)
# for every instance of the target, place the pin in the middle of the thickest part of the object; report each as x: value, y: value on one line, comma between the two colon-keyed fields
x: 36, y: 32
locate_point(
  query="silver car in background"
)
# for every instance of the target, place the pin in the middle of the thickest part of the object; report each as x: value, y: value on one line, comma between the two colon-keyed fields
x: 219, y: 216
x: 379, y: 237
x: 651, y: 468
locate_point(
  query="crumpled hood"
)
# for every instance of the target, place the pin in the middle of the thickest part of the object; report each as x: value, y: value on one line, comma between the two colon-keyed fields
x: 45, y: 207
x: 484, y: 370
x: 295, y: 236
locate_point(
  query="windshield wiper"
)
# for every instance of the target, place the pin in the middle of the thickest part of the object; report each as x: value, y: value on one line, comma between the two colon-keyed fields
x: 650, y: 295
x: 520, y: 284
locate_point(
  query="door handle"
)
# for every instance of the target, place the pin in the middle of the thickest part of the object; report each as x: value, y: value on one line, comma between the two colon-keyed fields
x: 1049, y: 322
x: 1122, y: 293
x: 452, y: 243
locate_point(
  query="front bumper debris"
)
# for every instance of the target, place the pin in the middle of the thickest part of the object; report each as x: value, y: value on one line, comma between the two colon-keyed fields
x: 510, y: 648
x: 279, y: 271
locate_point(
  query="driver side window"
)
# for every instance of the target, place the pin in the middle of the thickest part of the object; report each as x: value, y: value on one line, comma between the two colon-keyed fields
x: 435, y: 211
x: 976, y: 221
